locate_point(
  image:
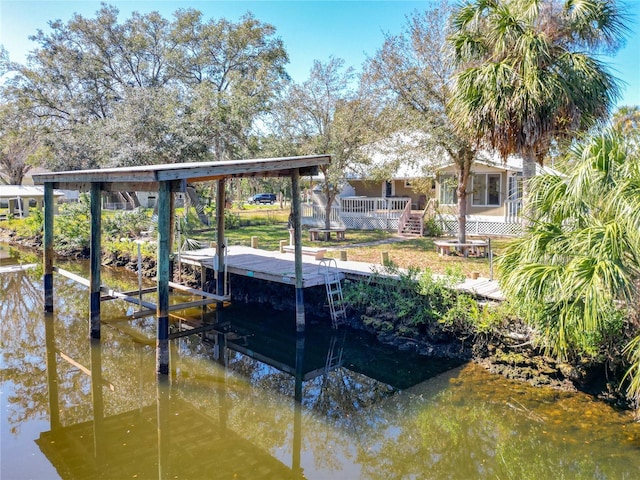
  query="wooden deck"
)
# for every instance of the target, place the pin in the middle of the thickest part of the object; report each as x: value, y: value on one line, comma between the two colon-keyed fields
x: 279, y: 267
x: 262, y: 264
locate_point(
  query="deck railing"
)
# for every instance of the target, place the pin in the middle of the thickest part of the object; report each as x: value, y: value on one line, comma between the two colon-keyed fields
x: 358, y: 212
x: 512, y: 211
x: 406, y: 213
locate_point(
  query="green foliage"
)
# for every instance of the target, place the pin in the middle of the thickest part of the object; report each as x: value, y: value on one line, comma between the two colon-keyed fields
x: 127, y: 224
x: 147, y: 89
x: 130, y: 248
x: 468, y: 316
x: 575, y: 273
x: 35, y: 221
x: 72, y: 226
x: 413, y: 303
x: 432, y: 228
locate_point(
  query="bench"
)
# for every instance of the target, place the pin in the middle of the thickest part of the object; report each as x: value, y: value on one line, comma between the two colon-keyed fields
x: 314, y: 233
x: 317, y: 253
x: 475, y: 247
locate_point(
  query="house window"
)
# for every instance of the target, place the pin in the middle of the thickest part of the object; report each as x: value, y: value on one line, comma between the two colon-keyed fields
x: 515, y: 187
x: 448, y: 186
x: 486, y: 189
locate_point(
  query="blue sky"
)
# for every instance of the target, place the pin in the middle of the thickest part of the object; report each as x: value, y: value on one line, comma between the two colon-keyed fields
x: 311, y: 30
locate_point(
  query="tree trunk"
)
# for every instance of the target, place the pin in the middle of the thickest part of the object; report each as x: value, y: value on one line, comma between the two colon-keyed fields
x: 463, y: 175
x: 465, y: 158
x: 528, y: 172
x: 327, y: 210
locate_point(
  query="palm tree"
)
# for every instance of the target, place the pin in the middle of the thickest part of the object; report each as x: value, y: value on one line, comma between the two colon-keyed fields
x: 530, y: 74
x: 575, y: 274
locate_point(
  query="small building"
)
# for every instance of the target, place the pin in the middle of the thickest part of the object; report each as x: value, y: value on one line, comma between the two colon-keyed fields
x: 17, y: 199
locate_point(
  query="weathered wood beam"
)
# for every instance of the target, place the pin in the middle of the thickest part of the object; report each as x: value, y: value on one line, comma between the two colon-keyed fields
x: 240, y: 168
x: 195, y: 291
x: 150, y: 174
x: 176, y: 186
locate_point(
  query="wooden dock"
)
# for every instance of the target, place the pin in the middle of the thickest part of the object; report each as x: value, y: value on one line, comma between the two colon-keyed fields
x: 279, y: 267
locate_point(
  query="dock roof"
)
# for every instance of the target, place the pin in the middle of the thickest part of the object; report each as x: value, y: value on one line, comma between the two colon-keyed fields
x: 147, y: 177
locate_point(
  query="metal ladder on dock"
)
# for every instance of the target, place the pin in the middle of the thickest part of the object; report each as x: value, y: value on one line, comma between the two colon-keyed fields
x: 333, y: 284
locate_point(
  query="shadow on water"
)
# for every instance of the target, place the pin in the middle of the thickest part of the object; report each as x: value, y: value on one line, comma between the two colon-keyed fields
x: 227, y: 410
x: 171, y: 433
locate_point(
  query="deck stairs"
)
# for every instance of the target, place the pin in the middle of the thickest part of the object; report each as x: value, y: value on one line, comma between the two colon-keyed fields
x: 413, y: 225
x: 333, y: 284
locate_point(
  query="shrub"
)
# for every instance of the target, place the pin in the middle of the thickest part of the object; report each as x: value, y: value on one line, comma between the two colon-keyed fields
x: 127, y: 224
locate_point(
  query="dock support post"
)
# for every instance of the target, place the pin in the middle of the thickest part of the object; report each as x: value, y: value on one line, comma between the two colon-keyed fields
x: 95, y: 258
x: 48, y: 247
x: 297, y: 238
x: 220, y: 245
x: 164, y: 251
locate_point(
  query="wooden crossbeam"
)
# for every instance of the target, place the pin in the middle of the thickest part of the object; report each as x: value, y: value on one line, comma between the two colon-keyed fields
x: 194, y: 291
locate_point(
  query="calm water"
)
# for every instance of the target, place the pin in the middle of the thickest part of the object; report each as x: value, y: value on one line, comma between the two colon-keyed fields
x: 75, y: 410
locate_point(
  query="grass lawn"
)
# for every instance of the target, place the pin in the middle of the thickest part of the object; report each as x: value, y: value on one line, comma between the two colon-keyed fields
x: 414, y: 252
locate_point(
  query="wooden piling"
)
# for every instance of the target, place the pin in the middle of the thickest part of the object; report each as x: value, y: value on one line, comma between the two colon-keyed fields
x: 48, y: 247
x: 95, y: 259
x: 164, y: 252
x: 296, y: 210
x: 254, y: 242
x: 384, y: 258
x: 343, y: 255
x: 220, y: 206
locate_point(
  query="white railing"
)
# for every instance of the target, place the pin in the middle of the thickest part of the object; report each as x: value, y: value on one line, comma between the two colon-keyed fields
x: 512, y: 211
x: 358, y: 212
x: 373, y: 206
x: 406, y: 213
x: 315, y: 215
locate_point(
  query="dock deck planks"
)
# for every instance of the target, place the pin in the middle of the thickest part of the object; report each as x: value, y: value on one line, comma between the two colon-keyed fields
x: 279, y: 267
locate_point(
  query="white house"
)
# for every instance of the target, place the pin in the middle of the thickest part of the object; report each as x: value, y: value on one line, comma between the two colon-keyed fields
x: 412, y: 193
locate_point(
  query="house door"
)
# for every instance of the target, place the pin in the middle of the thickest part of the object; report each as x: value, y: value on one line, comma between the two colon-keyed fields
x: 387, y: 189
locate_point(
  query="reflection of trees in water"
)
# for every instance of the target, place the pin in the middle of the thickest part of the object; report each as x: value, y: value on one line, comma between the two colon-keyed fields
x: 485, y: 428
x: 23, y: 346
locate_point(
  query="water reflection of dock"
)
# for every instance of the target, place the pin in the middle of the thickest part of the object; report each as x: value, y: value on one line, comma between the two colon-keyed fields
x: 201, y: 421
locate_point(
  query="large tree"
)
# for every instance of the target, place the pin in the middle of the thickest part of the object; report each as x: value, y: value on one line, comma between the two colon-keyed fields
x: 149, y: 90
x: 231, y: 73
x: 414, y: 71
x: 326, y: 114
x: 20, y: 144
x: 531, y: 73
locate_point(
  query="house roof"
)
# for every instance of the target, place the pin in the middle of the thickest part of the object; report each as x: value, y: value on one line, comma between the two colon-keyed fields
x: 10, y: 192
x: 402, y: 156
x: 513, y: 163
